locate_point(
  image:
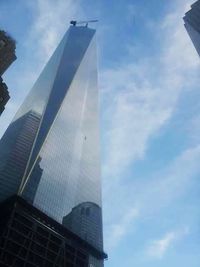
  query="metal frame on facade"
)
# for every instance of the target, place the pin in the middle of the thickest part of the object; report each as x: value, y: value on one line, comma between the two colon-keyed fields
x: 29, y: 238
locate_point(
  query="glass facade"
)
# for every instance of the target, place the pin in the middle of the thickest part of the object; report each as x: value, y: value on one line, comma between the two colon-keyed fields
x: 192, y: 24
x: 58, y: 129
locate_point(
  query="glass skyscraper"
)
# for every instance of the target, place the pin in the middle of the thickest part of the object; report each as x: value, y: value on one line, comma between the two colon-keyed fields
x: 50, y: 155
x: 192, y: 24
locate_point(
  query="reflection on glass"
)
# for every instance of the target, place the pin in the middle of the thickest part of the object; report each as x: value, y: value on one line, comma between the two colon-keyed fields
x: 61, y: 171
x: 85, y: 220
x: 15, y: 148
x: 17, y: 142
x: 192, y: 24
x: 70, y: 153
x: 33, y: 182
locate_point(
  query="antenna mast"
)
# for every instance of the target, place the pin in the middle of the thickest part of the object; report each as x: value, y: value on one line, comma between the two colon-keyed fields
x: 74, y: 22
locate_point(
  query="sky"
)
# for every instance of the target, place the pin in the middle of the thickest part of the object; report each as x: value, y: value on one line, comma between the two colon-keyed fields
x: 150, y: 123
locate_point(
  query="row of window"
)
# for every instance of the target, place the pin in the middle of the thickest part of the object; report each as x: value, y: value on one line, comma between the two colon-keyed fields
x: 29, y: 243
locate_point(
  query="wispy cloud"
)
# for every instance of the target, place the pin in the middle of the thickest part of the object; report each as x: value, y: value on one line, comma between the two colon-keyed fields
x: 52, y: 20
x: 158, y: 248
x: 142, y: 96
x: 118, y: 230
x: 170, y: 183
x: 151, y: 197
x: 137, y: 111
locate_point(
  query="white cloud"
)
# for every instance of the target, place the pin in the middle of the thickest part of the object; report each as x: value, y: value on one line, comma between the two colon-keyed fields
x: 138, y: 111
x: 118, y: 230
x: 150, y: 198
x: 170, y: 184
x: 141, y: 97
x: 158, y: 248
x: 52, y: 20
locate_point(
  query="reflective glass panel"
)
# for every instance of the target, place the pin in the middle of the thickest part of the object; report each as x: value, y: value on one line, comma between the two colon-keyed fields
x: 17, y: 142
x: 69, y: 189
x: 50, y: 152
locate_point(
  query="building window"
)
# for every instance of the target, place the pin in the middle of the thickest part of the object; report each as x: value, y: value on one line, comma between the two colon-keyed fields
x: 87, y: 211
x: 82, y: 211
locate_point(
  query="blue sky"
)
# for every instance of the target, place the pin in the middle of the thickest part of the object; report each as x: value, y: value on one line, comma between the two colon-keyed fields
x: 149, y: 88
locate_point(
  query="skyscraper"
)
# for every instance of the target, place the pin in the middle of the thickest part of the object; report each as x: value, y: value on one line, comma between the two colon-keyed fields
x: 192, y: 24
x: 7, y: 51
x: 4, y: 95
x: 50, y: 159
x: 7, y: 56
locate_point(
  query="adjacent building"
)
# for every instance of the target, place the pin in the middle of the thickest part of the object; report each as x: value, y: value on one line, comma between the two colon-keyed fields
x: 7, y: 51
x: 7, y: 56
x: 15, y: 148
x: 84, y: 219
x: 4, y: 95
x: 192, y: 24
x: 50, y: 178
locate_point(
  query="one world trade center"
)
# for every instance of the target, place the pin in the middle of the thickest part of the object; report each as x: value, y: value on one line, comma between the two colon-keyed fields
x: 50, y: 177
